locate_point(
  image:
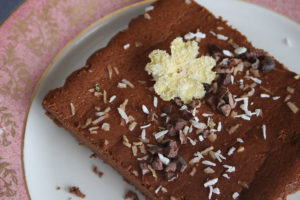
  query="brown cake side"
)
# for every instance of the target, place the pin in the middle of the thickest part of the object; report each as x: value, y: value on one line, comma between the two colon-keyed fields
x: 264, y: 168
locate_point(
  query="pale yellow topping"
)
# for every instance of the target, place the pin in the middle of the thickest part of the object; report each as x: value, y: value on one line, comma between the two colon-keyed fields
x: 181, y: 74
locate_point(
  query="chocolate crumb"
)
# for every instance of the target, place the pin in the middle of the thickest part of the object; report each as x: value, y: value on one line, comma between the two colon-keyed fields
x: 76, y: 191
x: 57, y: 188
x: 178, y: 102
x: 154, y: 149
x: 224, y: 79
x: 182, y: 138
x: 267, y: 64
x: 157, y: 164
x: 99, y: 173
x: 144, y: 168
x: 131, y: 195
x: 171, y: 149
x: 179, y: 125
x: 170, y: 176
x: 186, y: 115
x: 225, y: 109
x: 93, y: 155
x: 182, y: 164
x: 172, y: 167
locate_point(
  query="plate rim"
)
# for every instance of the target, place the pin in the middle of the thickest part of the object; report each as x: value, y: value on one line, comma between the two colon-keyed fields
x: 69, y: 43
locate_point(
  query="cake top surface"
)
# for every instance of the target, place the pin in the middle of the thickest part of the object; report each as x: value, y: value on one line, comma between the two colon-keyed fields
x: 227, y: 145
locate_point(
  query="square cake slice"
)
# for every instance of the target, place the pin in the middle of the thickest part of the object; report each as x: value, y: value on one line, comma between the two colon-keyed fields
x: 208, y: 116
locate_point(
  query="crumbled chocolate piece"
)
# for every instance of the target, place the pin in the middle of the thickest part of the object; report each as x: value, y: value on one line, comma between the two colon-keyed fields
x: 170, y: 176
x: 182, y: 138
x: 212, y: 101
x: 231, y: 100
x: 186, y: 115
x: 76, y: 191
x: 255, y: 64
x: 96, y: 171
x: 152, y: 116
x: 179, y: 125
x: 171, y: 149
x: 154, y: 149
x: 172, y: 130
x: 196, y: 103
x: 93, y: 155
x: 181, y: 164
x: 267, y: 64
x: 224, y: 79
x: 167, y: 120
x: 144, y: 168
x: 157, y: 164
x: 251, y: 56
x: 207, y: 88
x: 172, y: 167
x: 222, y: 69
x: 215, y: 51
x: 206, y: 133
x: 178, y: 102
x: 131, y: 195
x: 167, y: 109
x: 225, y: 109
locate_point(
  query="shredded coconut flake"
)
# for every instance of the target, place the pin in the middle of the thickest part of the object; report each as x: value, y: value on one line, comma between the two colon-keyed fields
x: 222, y: 37
x: 245, y: 117
x: 235, y: 195
x: 145, y: 109
x: 240, y: 50
x: 149, y: 8
x: 127, y: 83
x: 227, y: 53
x: 143, y: 134
x: 264, y: 96
x: 276, y: 98
x: 211, y: 182
x: 230, y: 169
x: 155, y: 101
x: 209, y: 170
x: 231, y: 151
x: 209, y: 163
x: 292, y: 107
x: 207, y: 115
x: 264, y: 129
x: 210, y: 192
x: 123, y: 115
x: 240, y: 140
x: 201, y: 138
x: 72, y: 109
x: 226, y: 176
x: 193, y: 142
x: 160, y: 134
x: 256, y: 80
x: 132, y: 126
x: 145, y: 126
x: 198, y: 35
x: 105, y: 127
x: 164, y: 159
x: 122, y: 85
x: 126, y: 46
x: 219, y: 127
x: 112, y: 98
x: 158, y: 189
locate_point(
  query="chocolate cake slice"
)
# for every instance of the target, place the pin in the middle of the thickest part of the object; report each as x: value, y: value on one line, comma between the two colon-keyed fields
x: 229, y: 130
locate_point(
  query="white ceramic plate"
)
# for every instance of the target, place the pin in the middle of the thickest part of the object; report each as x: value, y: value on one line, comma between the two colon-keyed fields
x: 53, y: 158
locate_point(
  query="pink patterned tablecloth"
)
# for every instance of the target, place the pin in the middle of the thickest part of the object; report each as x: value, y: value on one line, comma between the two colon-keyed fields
x: 29, y: 40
